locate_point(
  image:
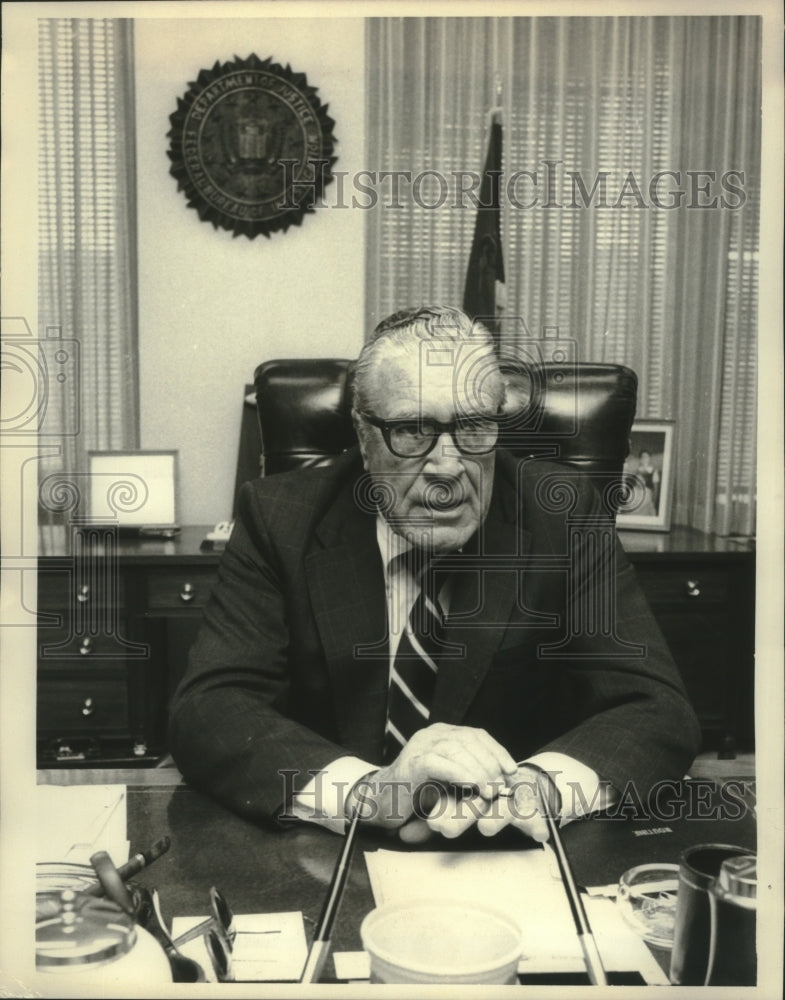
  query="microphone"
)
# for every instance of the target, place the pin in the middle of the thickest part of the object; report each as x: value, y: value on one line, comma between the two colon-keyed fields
x: 591, y: 955
x: 320, y: 947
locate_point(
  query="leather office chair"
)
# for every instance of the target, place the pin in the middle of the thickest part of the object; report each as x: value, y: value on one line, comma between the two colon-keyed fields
x: 576, y: 413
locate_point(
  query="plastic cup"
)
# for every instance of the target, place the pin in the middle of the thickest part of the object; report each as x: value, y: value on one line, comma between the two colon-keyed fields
x: 425, y: 941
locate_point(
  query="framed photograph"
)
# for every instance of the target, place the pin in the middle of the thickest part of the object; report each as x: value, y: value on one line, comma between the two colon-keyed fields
x: 648, y: 477
x: 137, y: 489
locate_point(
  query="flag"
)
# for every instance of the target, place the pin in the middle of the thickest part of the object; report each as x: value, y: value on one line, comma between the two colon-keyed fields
x: 483, y: 296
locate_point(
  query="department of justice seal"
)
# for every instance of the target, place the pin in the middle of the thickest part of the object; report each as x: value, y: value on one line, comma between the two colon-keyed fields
x: 251, y: 146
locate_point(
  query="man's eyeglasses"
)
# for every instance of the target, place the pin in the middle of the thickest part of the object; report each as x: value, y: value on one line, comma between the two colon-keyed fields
x: 219, y: 934
x: 417, y: 438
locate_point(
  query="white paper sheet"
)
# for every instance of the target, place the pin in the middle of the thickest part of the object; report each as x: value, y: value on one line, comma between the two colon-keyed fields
x: 75, y: 821
x: 269, y: 947
x: 518, y: 882
x: 524, y: 884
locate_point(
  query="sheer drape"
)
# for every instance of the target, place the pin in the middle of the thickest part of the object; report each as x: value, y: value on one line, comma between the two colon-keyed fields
x: 630, y: 206
x: 87, y: 230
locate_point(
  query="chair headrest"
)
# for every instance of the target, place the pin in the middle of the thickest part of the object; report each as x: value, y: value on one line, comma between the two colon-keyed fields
x: 579, y: 413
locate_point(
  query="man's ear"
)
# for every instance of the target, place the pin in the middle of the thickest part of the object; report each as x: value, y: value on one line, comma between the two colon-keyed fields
x: 360, y: 429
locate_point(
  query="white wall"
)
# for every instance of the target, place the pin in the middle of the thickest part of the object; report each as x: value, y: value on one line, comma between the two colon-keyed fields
x: 213, y: 306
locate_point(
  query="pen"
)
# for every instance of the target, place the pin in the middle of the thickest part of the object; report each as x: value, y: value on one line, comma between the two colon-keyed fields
x: 134, y: 865
x: 589, y: 946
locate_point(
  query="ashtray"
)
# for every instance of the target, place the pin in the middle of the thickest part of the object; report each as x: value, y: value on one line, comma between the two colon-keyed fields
x: 646, y: 898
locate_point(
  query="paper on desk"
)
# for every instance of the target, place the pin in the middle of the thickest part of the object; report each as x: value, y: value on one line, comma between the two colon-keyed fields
x: 526, y: 885
x: 519, y: 882
x: 621, y: 949
x: 269, y: 947
x: 75, y: 821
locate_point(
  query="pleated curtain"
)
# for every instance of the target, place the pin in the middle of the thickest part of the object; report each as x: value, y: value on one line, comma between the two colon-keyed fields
x: 631, y: 227
x: 87, y: 270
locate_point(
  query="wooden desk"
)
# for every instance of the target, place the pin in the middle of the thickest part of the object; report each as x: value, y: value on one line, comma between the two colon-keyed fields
x: 262, y: 870
x: 701, y: 589
x: 117, y: 616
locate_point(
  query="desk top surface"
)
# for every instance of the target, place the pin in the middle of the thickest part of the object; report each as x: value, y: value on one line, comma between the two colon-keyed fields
x: 265, y: 870
x: 55, y: 542
x: 258, y: 870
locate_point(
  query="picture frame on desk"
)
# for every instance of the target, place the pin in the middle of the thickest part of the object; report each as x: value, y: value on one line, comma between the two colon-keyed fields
x: 647, y: 477
x: 136, y: 489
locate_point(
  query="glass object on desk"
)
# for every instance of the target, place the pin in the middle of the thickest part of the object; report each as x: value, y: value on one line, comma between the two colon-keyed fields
x: 93, y: 941
x: 423, y: 941
x: 52, y: 878
x: 646, y: 898
x: 53, y: 875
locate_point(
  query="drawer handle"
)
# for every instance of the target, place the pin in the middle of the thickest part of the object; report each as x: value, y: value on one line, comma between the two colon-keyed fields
x: 139, y: 748
x: 85, y: 647
x: 693, y: 588
x: 188, y: 593
x: 87, y: 707
x: 84, y: 594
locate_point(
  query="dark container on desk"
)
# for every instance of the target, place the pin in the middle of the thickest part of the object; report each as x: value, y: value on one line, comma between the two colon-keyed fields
x: 733, y: 899
x: 714, y: 936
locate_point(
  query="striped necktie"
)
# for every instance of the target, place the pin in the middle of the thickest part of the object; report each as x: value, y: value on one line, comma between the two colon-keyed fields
x: 413, y: 674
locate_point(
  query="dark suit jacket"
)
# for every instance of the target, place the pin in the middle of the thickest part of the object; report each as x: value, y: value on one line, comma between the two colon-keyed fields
x: 290, y: 668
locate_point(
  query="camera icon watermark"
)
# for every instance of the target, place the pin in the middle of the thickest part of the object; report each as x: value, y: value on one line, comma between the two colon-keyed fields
x: 40, y: 381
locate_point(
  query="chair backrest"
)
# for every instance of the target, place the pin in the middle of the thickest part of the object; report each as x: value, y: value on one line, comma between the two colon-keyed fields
x: 577, y: 413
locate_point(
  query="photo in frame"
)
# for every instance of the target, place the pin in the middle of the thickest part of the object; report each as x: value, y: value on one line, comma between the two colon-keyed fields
x: 648, y: 477
x: 136, y: 489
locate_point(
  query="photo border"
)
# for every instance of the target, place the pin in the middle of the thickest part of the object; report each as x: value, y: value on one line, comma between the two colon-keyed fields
x: 123, y: 510
x: 661, y: 521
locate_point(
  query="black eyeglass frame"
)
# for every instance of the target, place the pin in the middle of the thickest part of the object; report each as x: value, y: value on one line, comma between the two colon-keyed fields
x: 220, y: 951
x: 221, y: 920
x: 219, y: 933
x: 388, y: 426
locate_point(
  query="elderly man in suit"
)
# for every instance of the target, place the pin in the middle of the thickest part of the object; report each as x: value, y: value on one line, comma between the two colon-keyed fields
x: 400, y: 617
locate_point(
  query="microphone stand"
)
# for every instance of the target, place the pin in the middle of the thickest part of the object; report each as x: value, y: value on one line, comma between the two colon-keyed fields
x: 320, y: 947
x: 591, y: 955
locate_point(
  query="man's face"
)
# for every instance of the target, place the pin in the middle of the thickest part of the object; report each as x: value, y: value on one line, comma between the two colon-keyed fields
x: 445, y: 494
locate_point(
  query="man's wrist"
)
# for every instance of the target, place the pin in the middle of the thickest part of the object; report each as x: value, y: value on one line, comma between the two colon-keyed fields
x: 583, y: 791
x: 323, y: 799
x: 548, y: 791
x: 356, y: 795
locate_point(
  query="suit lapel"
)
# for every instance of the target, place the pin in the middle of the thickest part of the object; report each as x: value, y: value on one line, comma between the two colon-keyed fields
x: 346, y: 585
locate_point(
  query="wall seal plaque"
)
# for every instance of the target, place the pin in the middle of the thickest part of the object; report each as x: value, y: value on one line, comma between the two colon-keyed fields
x: 251, y: 146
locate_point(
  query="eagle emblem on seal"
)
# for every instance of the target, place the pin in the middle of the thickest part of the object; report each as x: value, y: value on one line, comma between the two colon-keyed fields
x: 251, y: 146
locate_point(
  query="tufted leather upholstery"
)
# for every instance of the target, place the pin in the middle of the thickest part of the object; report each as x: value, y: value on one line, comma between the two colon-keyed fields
x: 579, y: 413
x: 304, y: 409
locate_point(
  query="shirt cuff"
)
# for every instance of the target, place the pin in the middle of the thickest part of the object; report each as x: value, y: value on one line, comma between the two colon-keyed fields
x: 582, y: 790
x: 323, y: 799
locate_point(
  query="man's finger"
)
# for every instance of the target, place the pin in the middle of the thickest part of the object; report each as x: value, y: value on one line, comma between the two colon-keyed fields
x: 491, y: 755
x: 453, y: 816
x: 503, y: 758
x: 485, y: 754
x: 536, y: 828
x: 460, y: 762
x: 416, y: 831
x: 498, y: 816
x: 518, y: 808
x: 452, y: 765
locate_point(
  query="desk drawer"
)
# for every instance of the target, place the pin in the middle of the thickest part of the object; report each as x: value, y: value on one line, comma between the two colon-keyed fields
x: 181, y: 588
x: 58, y: 590
x: 690, y: 586
x: 90, y: 651
x: 82, y: 703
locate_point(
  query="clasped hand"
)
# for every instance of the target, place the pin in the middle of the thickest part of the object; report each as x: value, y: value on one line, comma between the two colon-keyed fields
x: 420, y: 793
